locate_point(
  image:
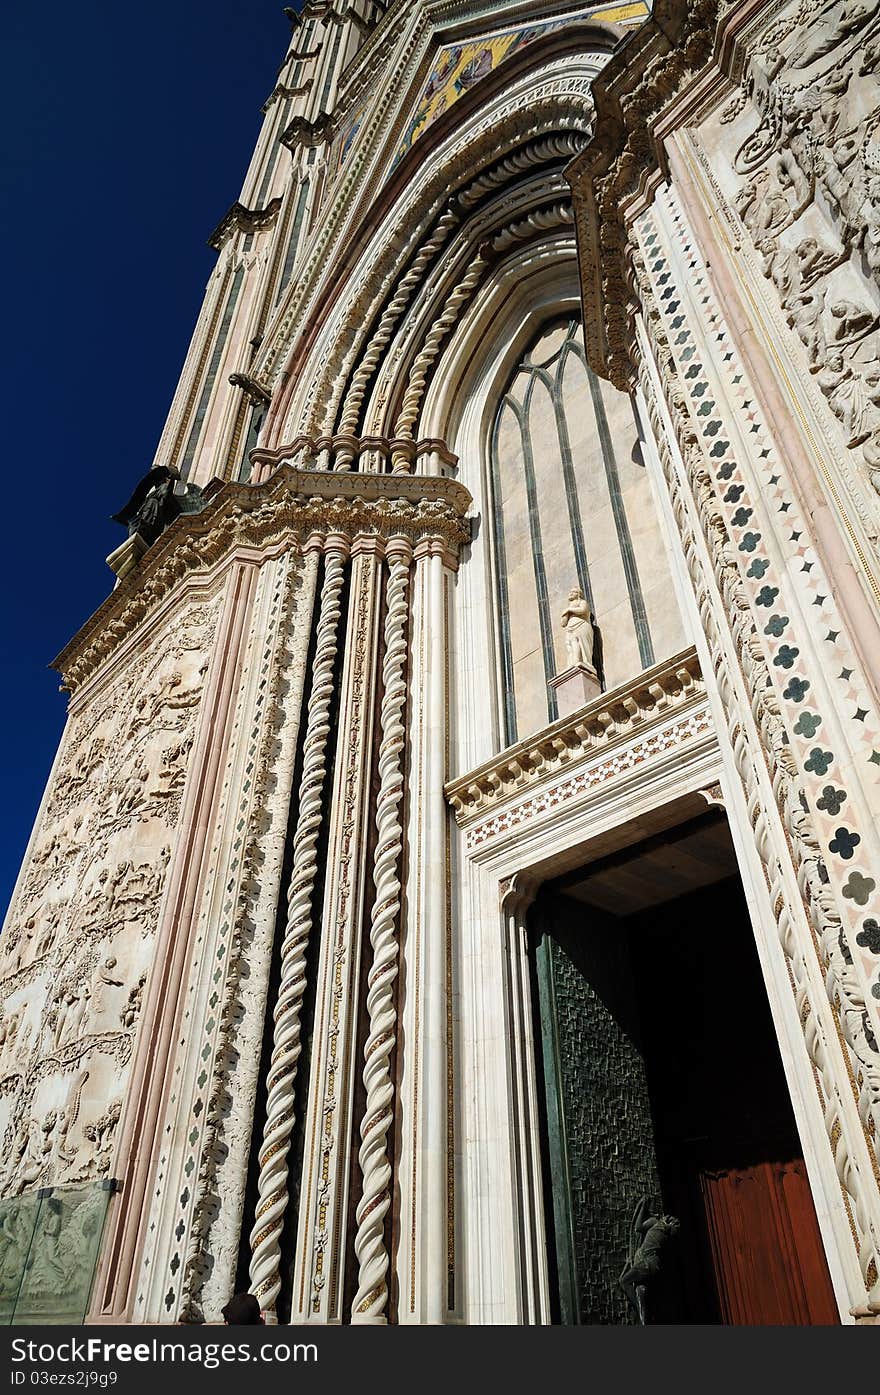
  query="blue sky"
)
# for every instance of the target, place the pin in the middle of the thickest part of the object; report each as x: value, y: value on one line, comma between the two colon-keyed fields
x: 126, y: 131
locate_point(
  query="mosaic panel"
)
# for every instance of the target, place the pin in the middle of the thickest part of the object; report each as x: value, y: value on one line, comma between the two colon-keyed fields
x: 459, y: 67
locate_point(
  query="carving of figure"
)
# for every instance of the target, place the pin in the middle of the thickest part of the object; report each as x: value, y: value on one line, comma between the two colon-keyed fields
x: 782, y: 267
x: 67, y: 1119
x: 23, y: 943
x: 577, y: 623
x: 832, y: 105
x: 8, y: 1034
x: 805, y: 316
x: 133, y: 792
x: 748, y: 199
x: 78, y: 1010
x: 871, y: 457
x: 815, y: 261
x: 103, y: 980
x: 130, y: 1013
x: 44, y: 1266
x: 825, y: 34
x: 847, y: 397
x: 15, y: 1239
x: 100, y: 1133
x: 39, y: 1149
x: 648, y: 1235
x: 63, y: 1004
x: 156, y: 879
x: 844, y: 183
x: 852, y: 322
x: 871, y: 241
x: 52, y: 915
x: 118, y: 885
x: 774, y: 212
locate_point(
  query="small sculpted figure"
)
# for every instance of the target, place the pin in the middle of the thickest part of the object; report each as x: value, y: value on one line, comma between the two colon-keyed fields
x: 156, y: 502
x: 577, y: 622
x: 648, y: 1235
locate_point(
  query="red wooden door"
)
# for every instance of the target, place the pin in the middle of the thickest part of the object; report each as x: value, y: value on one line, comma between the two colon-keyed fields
x: 766, y: 1249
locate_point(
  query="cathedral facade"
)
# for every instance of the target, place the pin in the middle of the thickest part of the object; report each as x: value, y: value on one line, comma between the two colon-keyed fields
x: 456, y: 898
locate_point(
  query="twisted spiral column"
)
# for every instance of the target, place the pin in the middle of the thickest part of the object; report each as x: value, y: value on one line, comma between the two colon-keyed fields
x: 273, y: 1181
x: 372, y: 1294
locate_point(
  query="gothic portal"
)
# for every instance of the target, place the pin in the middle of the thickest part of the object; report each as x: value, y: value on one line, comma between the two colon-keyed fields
x: 457, y: 895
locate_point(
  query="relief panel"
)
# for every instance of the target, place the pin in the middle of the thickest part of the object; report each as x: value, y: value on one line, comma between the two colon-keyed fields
x: 78, y: 943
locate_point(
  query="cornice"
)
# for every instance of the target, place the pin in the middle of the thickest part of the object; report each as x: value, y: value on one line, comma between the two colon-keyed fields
x: 280, y: 91
x: 302, y: 131
x: 625, y: 158
x: 614, y: 718
x: 292, y: 508
x: 242, y: 219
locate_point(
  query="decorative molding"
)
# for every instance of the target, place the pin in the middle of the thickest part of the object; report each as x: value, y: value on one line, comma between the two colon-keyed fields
x: 819, y: 962
x: 342, y: 448
x: 713, y: 796
x: 292, y: 506
x: 613, y: 719
x: 303, y: 132
x: 246, y: 220
x: 645, y: 73
x: 286, y: 93
x: 333, y: 16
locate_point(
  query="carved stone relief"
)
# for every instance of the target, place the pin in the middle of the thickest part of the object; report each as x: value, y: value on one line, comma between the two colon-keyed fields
x: 800, y: 158
x: 77, y: 947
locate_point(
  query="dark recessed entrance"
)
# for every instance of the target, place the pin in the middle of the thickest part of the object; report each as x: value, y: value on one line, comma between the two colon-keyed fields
x: 662, y: 1079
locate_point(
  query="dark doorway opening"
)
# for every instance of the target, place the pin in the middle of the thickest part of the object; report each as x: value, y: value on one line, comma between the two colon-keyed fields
x: 662, y: 1078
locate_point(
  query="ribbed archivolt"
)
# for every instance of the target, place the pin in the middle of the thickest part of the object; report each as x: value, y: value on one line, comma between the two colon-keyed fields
x: 371, y: 1298
x: 273, y: 1181
x: 410, y: 282
x: 418, y: 375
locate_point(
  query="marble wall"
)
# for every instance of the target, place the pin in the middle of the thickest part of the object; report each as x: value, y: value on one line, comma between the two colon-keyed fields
x: 573, y: 507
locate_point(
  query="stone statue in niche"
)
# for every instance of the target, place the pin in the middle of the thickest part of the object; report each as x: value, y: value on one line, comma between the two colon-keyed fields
x: 578, y: 626
x: 156, y: 502
x: 648, y: 1236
